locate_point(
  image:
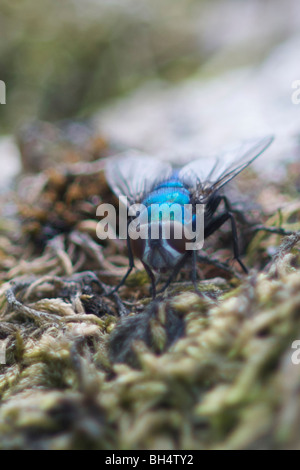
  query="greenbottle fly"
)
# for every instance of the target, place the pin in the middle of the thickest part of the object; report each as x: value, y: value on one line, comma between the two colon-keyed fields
x: 145, y: 180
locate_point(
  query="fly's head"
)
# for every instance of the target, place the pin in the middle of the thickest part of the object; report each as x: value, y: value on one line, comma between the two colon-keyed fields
x: 163, y: 247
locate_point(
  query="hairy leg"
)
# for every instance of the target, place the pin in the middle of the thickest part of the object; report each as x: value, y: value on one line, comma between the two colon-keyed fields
x: 218, y: 221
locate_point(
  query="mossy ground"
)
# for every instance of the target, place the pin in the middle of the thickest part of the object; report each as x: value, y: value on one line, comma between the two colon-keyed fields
x: 87, y: 371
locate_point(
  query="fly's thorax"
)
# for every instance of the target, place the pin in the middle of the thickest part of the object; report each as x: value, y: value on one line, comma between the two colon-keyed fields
x: 169, y: 192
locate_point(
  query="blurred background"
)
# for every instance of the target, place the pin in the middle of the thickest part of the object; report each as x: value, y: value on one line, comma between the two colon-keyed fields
x: 167, y: 76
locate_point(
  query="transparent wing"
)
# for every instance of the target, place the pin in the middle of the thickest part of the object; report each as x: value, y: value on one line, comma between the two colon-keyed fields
x: 216, y: 172
x: 133, y: 174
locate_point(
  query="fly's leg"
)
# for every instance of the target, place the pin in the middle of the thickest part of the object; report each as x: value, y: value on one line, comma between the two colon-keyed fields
x: 234, y: 234
x: 194, y: 273
x: 152, y: 278
x: 256, y: 227
x: 278, y: 231
x: 217, y: 222
x: 131, y: 266
x: 236, y: 243
x: 174, y: 273
x: 214, y: 262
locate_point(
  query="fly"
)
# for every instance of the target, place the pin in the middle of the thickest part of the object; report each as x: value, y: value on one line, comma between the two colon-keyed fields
x: 146, y: 180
